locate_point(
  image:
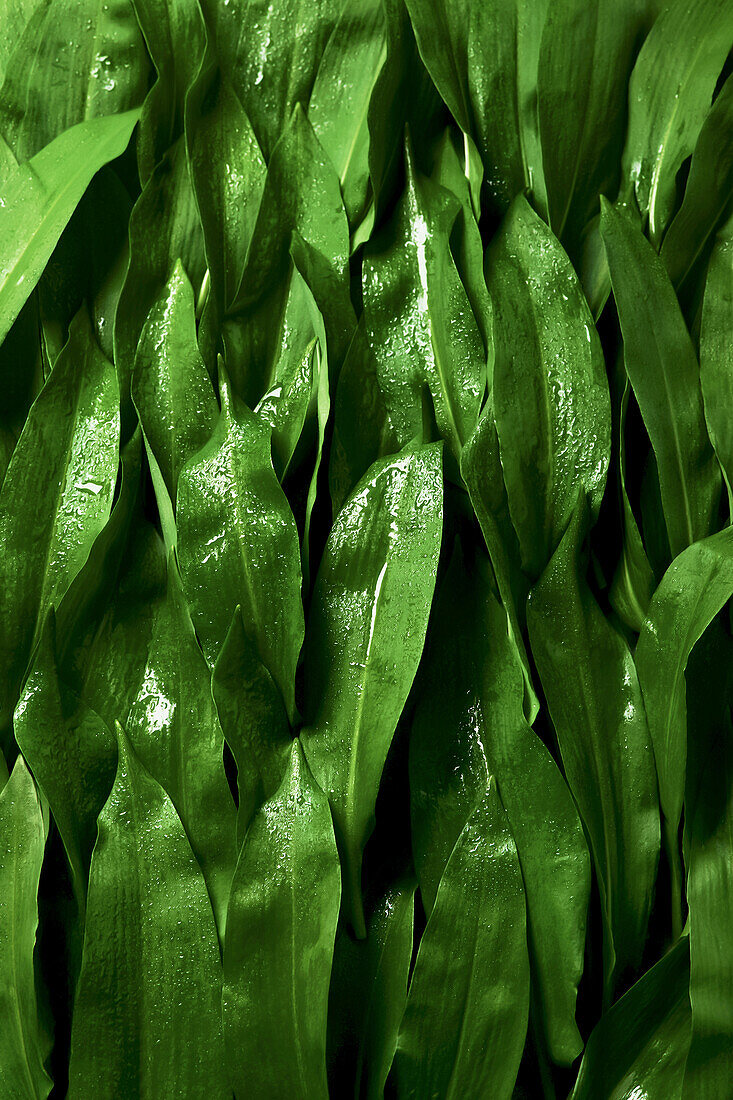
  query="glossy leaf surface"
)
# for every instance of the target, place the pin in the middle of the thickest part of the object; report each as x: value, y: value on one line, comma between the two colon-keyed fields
x: 716, y: 363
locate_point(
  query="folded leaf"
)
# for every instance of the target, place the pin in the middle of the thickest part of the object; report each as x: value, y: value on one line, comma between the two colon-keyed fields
x: 56, y: 496
x: 550, y: 392
x: 39, y: 198
x: 24, y: 1046
x: 238, y: 544
x: 640, y: 1046
x: 669, y: 96
x: 466, y: 1017
x: 663, y: 370
x: 281, y: 925
x: 365, y: 635
x: 285, y: 405
x: 441, y: 30
x: 150, y: 939
x: 596, y: 705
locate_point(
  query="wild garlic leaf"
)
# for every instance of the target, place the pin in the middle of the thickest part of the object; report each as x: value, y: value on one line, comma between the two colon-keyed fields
x: 640, y: 1045
x: 56, y: 496
x: 596, y: 705
x: 150, y: 938
x: 24, y: 1047
x: 369, y: 990
x: 716, y: 358
x: 663, y: 370
x: 550, y: 392
x: 466, y: 1017
x: 669, y: 96
x: 254, y: 720
x: 285, y: 406
x: 39, y: 197
x: 174, y: 728
x: 419, y: 322
x: 173, y: 394
x: 238, y: 544
x: 365, y: 636
x: 441, y: 30
x: 285, y: 900
x: 469, y: 724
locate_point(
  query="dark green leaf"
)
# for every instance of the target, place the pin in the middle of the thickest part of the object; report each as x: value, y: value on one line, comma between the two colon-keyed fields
x: 150, y: 938
x: 716, y: 362
x: 464, y: 1026
x: 441, y: 30
x: 285, y: 405
x: 365, y: 636
x: 663, y: 370
x: 279, y: 944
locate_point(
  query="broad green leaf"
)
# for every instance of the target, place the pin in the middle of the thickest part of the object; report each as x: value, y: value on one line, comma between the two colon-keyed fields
x: 698, y: 583
x: 503, y: 54
x: 365, y: 635
x: 238, y: 544
x: 663, y: 370
x: 708, y: 190
x: 78, y: 62
x: 550, y: 392
x: 253, y: 717
x: 339, y: 102
x: 716, y: 357
x: 175, y: 35
x: 362, y: 430
x: 419, y: 322
x: 281, y: 926
x: 23, y: 1045
x: 149, y: 942
x: 441, y: 29
x: 469, y: 724
x: 175, y: 731
x: 585, y: 58
x: 466, y: 1017
x: 669, y: 96
x: 330, y: 303
x: 15, y: 19
x: 56, y: 496
x: 483, y: 477
x: 172, y: 392
x: 709, y: 840
x: 72, y: 753
x: 285, y: 405
x: 596, y: 706
x: 271, y: 65
x: 640, y: 1046
x: 38, y: 199
x: 228, y: 177
x: 369, y: 990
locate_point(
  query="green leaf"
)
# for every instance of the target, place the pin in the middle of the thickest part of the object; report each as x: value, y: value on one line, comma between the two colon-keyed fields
x: 466, y: 1017
x: 253, y: 717
x: 503, y: 54
x: 71, y: 65
x: 441, y: 30
x: 419, y: 321
x: 23, y: 1045
x: 56, y: 496
x: 640, y: 1046
x: 339, y: 102
x: 596, y: 705
x: 284, y: 903
x: 285, y: 406
x: 72, y: 753
x: 469, y: 724
x: 716, y: 360
x: 669, y: 96
x: 238, y: 544
x: 174, y: 728
x: 369, y: 991
x: 39, y: 197
x: 698, y: 583
x: 150, y: 939
x: 228, y: 173
x: 707, y: 193
x: 582, y: 106
x: 16, y: 18
x: 365, y: 635
x: 172, y: 392
x: 550, y: 392
x: 663, y: 370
